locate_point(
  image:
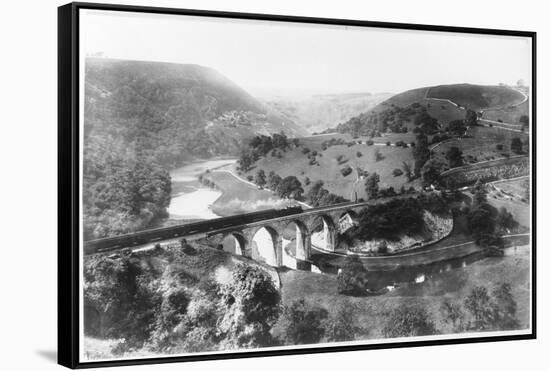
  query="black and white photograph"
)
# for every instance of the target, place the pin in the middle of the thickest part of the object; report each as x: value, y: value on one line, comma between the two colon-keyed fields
x: 251, y: 185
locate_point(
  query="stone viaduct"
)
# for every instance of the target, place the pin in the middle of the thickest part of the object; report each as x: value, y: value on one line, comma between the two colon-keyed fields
x: 326, y: 222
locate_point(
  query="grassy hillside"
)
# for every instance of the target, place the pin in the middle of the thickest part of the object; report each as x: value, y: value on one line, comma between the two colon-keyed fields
x: 399, y: 111
x: 295, y: 162
x: 508, y: 114
x: 452, y: 285
x: 185, y: 109
x: 477, y: 97
x: 482, y: 144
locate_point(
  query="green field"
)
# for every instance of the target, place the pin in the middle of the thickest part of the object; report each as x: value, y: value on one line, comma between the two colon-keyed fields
x: 477, y: 97
x: 480, y: 144
x: 294, y: 162
x: 510, y: 114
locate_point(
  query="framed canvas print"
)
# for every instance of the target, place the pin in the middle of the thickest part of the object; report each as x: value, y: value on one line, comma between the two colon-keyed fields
x: 241, y: 185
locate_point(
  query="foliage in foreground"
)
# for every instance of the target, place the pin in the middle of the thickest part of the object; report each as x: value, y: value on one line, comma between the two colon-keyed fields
x: 172, y: 311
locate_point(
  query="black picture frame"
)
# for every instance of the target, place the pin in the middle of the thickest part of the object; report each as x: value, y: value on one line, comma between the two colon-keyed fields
x: 68, y: 182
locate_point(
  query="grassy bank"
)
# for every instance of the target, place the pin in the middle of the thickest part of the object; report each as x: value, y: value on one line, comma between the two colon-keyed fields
x: 330, y: 161
x: 453, y: 285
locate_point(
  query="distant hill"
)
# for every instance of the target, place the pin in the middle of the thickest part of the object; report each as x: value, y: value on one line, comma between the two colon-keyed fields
x: 180, y: 110
x: 317, y: 113
x: 443, y: 103
x: 477, y: 97
x: 142, y: 119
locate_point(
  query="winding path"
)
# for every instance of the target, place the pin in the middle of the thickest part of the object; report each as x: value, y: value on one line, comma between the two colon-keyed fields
x: 421, y: 257
x: 505, y: 125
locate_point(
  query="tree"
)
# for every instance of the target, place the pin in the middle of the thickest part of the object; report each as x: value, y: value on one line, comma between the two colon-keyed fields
x: 377, y: 155
x: 481, y: 222
x: 505, y: 220
x: 454, y: 157
x: 408, y: 170
x: 120, y: 291
x: 426, y: 124
x: 453, y: 314
x: 516, y: 145
x: 457, y: 127
x: 260, y: 178
x: 251, y: 305
x: 371, y: 185
x: 479, y: 192
x: 431, y: 171
x: 505, y: 307
x: 471, y: 118
x: 352, y: 277
x: 273, y: 180
x: 346, y: 170
x: 408, y: 321
x: 397, y: 172
x: 246, y: 160
x: 524, y: 120
x: 302, y: 322
x: 290, y: 187
x: 341, y: 324
x: 478, y: 303
x: 421, y: 153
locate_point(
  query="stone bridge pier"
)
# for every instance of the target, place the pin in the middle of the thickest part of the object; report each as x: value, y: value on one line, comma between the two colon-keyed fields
x: 286, y: 241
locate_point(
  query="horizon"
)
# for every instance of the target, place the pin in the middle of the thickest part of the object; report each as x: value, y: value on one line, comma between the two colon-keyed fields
x: 269, y: 59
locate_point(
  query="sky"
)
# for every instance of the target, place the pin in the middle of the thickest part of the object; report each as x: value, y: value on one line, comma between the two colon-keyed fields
x: 280, y: 58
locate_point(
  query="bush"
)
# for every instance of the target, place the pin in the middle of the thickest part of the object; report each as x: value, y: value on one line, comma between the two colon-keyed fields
x: 408, y: 321
x: 359, y: 154
x: 346, y: 171
x: 388, y: 143
x: 305, y: 151
x: 352, y: 277
x: 340, y: 326
x: 250, y: 303
x: 302, y: 323
x: 397, y: 172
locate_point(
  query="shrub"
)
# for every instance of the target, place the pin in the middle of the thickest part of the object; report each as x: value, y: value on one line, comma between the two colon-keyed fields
x: 341, y: 325
x: 408, y: 321
x: 346, y: 171
x: 397, y: 172
x: 302, y: 322
x: 352, y: 277
x: 251, y: 305
x: 359, y: 154
x: 305, y: 151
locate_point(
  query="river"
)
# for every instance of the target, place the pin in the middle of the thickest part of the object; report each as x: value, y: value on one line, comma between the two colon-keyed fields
x: 190, y: 199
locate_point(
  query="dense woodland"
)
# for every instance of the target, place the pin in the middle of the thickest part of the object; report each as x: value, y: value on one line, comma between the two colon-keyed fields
x: 143, y: 119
